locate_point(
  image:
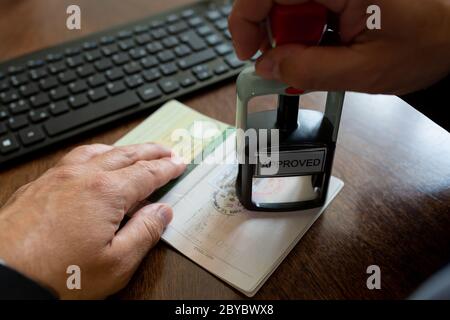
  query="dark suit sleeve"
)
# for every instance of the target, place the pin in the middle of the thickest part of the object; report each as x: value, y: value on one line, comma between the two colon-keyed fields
x: 15, y: 286
x: 433, y: 102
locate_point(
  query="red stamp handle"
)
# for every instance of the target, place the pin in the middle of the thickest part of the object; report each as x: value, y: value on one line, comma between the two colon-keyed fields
x: 301, y: 23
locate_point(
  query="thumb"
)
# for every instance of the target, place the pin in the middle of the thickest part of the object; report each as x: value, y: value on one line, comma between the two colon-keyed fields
x: 317, y: 68
x: 142, y: 232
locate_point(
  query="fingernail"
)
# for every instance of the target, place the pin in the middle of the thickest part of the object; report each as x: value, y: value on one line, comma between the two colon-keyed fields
x: 267, y: 68
x: 165, y: 213
x: 176, y: 159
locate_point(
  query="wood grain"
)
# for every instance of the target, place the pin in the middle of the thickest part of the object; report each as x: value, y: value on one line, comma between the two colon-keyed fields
x: 394, y: 210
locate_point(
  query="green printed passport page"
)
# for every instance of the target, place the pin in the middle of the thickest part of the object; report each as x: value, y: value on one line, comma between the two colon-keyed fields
x: 170, y: 125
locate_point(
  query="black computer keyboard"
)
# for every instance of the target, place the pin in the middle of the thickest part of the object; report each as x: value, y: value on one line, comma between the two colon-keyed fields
x: 54, y: 94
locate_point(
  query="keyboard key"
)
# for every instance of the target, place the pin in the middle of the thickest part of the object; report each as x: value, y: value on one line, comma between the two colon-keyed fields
x: 126, y: 44
x: 67, y: 76
x: 38, y: 115
x: 114, y: 74
x: 221, y: 24
x: 121, y: 58
x: 97, y: 94
x: 92, y: 55
x: 115, y: 87
x: 168, y: 69
x: 157, y: 23
x: 132, y: 68
x: 19, y: 107
x: 35, y: 63
x: 168, y: 85
x: 134, y: 81
x: 178, y: 27
x: 15, y: 69
x: 83, y: 116
x: 151, y: 75
x: 57, y: 67
x: 173, y: 18
x: 137, y: 53
x: 193, y: 40
x: 52, y: 57
x: 110, y: 49
x: 154, y: 47
x: 9, y: 96
x: 204, y: 30
x: 143, y: 39
x: 19, y: 79
x: 8, y: 144
x: 159, y: 33
x: 59, y: 93
x: 96, y: 80
x: 3, y: 113
x: 187, y: 81
x: 48, y: 83
x: 226, y: 9
x: 165, y: 56
x: 213, y: 39
x: 103, y: 64
x: 221, y: 69
x: 4, y: 85
x: 204, y: 75
x: 31, y: 136
x: 213, y: 15
x: 74, y: 62
x: 195, y: 21
x: 85, y: 70
x: 170, y: 42
x: 149, y: 92
x: 223, y: 49
x: 124, y: 34
x: 29, y: 89
x: 141, y: 29
x: 195, y: 59
x: 233, y: 61
x: 78, y: 101
x: 39, y: 100
x: 200, y: 68
x: 17, y: 122
x: 58, y: 108
x: 182, y: 50
x: 78, y: 86
x: 187, y: 13
x: 149, y: 62
x: 37, y: 74
x: 107, y: 40
x: 89, y: 45
x: 72, y: 51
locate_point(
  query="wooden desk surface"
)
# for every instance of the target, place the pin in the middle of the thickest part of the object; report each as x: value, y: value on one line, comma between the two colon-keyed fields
x: 394, y: 210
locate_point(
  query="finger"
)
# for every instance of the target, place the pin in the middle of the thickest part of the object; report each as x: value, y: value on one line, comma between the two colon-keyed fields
x: 83, y: 154
x: 247, y: 15
x: 141, y: 233
x: 121, y: 157
x: 317, y: 68
x: 138, y: 181
x: 244, y: 25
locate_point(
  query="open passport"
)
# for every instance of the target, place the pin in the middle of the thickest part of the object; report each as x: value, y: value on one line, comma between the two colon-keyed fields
x: 210, y: 226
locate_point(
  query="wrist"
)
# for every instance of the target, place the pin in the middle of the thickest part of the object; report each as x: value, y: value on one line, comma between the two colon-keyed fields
x: 24, y: 263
